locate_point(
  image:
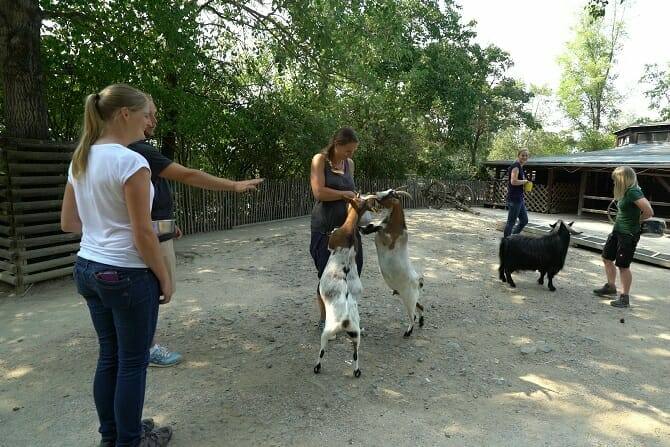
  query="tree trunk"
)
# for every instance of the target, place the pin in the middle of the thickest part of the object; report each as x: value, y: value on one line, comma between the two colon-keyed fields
x: 23, y: 81
x: 169, y: 140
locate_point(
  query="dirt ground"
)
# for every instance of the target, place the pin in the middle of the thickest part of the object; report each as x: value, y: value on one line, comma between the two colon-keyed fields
x: 244, y: 318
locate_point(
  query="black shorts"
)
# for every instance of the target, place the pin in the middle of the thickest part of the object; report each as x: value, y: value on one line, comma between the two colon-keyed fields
x: 620, y: 248
x: 318, y: 248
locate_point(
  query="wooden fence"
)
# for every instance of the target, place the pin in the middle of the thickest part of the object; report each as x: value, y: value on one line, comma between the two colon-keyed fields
x: 558, y: 198
x: 200, y: 211
x: 33, y: 174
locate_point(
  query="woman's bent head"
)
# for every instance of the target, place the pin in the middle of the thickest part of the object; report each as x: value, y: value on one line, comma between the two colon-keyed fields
x: 342, y: 144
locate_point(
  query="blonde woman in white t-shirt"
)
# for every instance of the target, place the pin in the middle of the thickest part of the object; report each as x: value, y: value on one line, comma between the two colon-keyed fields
x: 119, y: 269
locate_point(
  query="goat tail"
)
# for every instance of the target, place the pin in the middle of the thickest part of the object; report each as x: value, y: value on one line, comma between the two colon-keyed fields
x: 501, y: 254
x: 501, y: 249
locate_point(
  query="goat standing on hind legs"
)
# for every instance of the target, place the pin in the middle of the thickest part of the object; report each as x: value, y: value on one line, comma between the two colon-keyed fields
x: 396, y: 268
x: 340, y: 286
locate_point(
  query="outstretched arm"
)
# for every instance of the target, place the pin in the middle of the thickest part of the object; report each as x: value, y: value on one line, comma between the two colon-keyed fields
x: 201, y: 179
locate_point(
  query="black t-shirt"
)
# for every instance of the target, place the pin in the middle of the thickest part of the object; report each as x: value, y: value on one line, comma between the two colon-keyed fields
x: 163, y: 206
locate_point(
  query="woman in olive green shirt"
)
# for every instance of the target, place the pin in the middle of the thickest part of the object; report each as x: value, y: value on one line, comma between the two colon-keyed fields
x: 619, y: 249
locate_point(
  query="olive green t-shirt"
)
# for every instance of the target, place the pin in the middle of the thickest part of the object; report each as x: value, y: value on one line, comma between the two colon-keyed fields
x: 628, y: 214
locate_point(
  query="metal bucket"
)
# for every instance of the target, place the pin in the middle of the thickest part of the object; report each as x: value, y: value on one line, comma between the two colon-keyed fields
x: 653, y: 227
x: 163, y: 227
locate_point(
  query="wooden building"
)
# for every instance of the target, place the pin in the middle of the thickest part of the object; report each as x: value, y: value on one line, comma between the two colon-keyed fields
x: 581, y: 182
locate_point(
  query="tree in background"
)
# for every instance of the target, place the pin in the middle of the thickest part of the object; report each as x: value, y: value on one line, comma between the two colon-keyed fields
x: 24, y: 102
x: 659, y: 91
x: 586, y: 91
x: 537, y: 140
x: 248, y: 88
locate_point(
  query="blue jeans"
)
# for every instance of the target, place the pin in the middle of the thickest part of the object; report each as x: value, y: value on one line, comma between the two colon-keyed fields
x: 123, y: 303
x: 517, y: 210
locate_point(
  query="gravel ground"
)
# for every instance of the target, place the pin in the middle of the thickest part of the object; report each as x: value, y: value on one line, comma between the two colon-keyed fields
x: 493, y: 366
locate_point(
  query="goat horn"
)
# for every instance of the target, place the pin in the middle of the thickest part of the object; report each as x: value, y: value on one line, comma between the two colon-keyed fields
x: 406, y: 194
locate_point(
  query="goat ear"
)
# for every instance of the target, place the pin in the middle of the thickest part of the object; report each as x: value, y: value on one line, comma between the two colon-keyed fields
x: 571, y: 223
x: 552, y: 225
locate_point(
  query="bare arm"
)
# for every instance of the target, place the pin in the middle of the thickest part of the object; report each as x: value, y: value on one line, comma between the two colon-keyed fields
x: 201, y: 179
x: 317, y: 180
x: 514, y: 178
x: 645, y: 207
x: 136, y: 192
x: 69, y: 214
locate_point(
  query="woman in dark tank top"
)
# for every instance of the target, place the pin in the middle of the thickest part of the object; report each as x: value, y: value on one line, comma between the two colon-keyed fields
x: 332, y: 181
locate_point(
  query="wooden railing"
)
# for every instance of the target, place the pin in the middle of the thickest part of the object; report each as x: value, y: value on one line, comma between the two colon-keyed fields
x: 201, y: 211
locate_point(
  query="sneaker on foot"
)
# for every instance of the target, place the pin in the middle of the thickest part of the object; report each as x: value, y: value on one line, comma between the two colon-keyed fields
x: 147, y: 426
x: 158, y: 437
x: 606, y: 290
x: 160, y: 357
x: 623, y: 301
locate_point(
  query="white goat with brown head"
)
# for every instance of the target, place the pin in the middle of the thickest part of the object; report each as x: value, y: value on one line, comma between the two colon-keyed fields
x: 340, y: 287
x: 396, y: 268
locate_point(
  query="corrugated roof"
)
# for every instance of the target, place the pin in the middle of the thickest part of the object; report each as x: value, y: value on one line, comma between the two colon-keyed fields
x: 659, y: 124
x: 652, y: 155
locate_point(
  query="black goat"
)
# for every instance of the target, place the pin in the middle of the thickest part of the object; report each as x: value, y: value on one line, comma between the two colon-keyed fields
x: 545, y: 253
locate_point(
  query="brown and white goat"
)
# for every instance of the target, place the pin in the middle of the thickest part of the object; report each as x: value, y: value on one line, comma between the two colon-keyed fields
x: 396, y: 268
x: 340, y: 287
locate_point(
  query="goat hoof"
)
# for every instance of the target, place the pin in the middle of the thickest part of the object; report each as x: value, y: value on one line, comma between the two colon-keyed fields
x: 421, y: 321
x: 317, y: 368
x: 357, y: 373
x: 408, y: 333
x: 552, y: 289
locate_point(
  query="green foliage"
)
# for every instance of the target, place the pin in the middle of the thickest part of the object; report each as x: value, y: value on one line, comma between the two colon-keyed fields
x: 538, y: 142
x: 245, y: 89
x: 659, y: 90
x: 586, y: 92
x: 596, y: 141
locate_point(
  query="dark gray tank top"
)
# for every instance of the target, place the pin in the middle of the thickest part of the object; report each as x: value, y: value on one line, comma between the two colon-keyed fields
x: 329, y: 215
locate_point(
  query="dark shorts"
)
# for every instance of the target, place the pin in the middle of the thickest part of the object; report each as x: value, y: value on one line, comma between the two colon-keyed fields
x: 318, y: 248
x: 620, y: 248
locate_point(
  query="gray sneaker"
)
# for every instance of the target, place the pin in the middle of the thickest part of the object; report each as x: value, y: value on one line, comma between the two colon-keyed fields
x: 147, y: 426
x: 158, y: 437
x: 606, y: 291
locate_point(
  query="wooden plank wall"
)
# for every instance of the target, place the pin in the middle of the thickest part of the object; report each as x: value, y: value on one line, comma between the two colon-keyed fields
x: 33, y: 174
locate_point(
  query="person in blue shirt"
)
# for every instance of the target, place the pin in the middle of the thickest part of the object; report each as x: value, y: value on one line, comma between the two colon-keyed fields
x: 515, y: 195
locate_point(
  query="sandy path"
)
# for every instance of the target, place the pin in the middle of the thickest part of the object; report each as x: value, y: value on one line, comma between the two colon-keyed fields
x: 244, y: 319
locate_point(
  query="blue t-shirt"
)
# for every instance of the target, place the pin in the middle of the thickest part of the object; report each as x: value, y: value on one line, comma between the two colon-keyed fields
x: 515, y: 192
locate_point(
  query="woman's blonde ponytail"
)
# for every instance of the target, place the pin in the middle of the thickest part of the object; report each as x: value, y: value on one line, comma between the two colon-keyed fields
x: 93, y: 125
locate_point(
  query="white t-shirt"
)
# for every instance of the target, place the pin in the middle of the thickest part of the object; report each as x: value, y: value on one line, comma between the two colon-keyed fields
x: 107, y: 236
